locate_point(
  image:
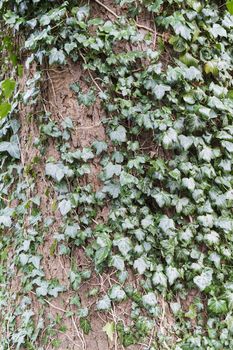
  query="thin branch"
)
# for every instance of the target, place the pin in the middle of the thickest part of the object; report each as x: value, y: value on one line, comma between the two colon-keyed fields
x: 141, y: 26
x: 107, y: 8
x: 88, y: 70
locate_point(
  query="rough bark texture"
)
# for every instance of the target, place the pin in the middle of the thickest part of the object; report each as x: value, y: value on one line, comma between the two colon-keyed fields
x: 61, y: 103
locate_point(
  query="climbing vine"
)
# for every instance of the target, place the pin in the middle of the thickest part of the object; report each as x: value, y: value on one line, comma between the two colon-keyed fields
x: 166, y: 90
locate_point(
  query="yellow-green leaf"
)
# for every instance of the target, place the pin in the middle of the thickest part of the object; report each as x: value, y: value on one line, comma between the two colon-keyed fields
x: 230, y: 6
x: 5, y: 108
x: 8, y: 87
x: 109, y: 329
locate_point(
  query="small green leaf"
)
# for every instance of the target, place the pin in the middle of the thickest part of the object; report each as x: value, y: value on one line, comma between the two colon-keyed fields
x: 116, y: 293
x: 5, y: 108
x: 119, y: 134
x: 56, y: 56
x: 230, y: 6
x: 8, y: 87
x: 188, y: 60
x: 211, y: 67
x: 104, y: 303
x: 172, y: 274
x: 141, y: 265
x: 65, y: 207
x: 85, y: 325
x: 217, y: 306
x: 101, y: 255
x: 109, y: 329
x: 204, y: 279
x: 11, y: 147
x: 118, y: 262
x: 149, y: 300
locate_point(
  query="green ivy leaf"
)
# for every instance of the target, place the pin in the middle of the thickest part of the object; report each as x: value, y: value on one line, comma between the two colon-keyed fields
x: 217, y: 306
x: 172, y: 274
x: 85, y: 325
x: 104, y: 304
x: 8, y: 87
x: 230, y: 6
x: 116, y: 293
x: 118, y: 262
x: 109, y: 329
x: 56, y: 56
x: 64, y: 207
x: 204, y: 280
x: 149, y: 300
x: 5, y: 108
x: 118, y: 135
x: 11, y: 147
x: 141, y: 265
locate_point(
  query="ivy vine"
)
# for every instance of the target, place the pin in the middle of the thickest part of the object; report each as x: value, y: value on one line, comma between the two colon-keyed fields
x: 166, y: 166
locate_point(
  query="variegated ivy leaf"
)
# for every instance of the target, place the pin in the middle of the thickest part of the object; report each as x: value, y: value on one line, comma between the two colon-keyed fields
x: 149, y: 300
x: 104, y: 303
x: 118, y: 135
x: 172, y: 274
x: 117, y: 293
x: 141, y: 264
x: 204, y: 280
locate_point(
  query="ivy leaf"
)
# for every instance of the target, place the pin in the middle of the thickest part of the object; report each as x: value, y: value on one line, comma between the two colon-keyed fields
x: 188, y: 60
x: 64, y: 206
x: 87, y: 99
x: 82, y: 13
x: 109, y: 329
x: 56, y: 56
x: 172, y: 274
x: 101, y: 254
x: 5, y: 220
x: 8, y: 87
x: 218, y: 30
x: 147, y: 221
x: 204, y: 280
x: 11, y: 147
x: 217, y: 306
x: 112, y: 189
x: 159, y: 90
x: 189, y: 183
x: 159, y: 278
x: 141, y: 265
x: 118, y: 262
x: 55, y: 290
x: 228, y: 145
x: 119, y: 134
x: 57, y: 171
x: 185, y: 141
x: 100, y: 147
x: 104, y: 303
x: 206, y: 154
x: 42, y: 290
x: 112, y: 169
x: 183, y: 30
x: 85, y: 325
x: 230, y: 6
x: 5, y: 108
x: 166, y: 224
x: 117, y: 293
x: 69, y: 47
x: 149, y: 300
x: 123, y: 244
x: 211, y: 67
x: 169, y: 138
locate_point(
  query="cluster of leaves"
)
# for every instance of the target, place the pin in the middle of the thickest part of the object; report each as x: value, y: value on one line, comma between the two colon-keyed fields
x: 168, y: 176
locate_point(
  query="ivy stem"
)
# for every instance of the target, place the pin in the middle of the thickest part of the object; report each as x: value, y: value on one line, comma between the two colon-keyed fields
x: 140, y: 26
